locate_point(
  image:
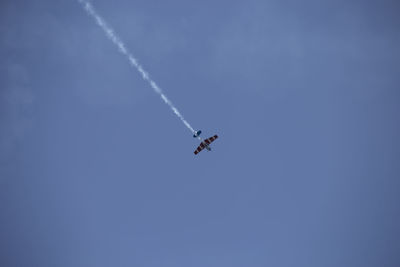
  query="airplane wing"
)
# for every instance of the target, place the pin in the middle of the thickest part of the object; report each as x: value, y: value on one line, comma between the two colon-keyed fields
x: 199, y: 148
x: 203, y: 144
x: 211, y: 139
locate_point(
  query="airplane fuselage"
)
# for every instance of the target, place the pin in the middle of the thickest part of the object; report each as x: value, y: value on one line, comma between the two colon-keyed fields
x: 206, y: 146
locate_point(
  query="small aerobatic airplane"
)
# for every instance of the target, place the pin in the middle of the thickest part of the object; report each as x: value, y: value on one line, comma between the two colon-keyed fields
x: 204, y: 143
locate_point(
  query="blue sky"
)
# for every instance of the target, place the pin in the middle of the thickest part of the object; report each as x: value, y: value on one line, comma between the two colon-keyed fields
x: 95, y: 170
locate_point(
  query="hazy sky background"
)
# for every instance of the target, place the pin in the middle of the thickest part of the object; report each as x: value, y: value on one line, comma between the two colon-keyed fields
x: 95, y: 170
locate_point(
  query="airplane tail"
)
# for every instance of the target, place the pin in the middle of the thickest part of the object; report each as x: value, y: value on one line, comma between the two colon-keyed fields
x: 197, y: 133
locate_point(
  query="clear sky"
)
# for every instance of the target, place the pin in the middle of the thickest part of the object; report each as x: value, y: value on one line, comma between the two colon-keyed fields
x: 95, y: 170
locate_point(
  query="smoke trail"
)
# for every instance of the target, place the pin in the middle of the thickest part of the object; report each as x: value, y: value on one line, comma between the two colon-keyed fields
x: 121, y: 47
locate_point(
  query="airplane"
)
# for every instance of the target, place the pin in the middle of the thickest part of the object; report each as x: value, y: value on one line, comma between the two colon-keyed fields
x: 204, y: 143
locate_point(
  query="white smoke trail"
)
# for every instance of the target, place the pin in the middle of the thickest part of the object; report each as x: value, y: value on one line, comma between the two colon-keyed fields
x: 121, y: 47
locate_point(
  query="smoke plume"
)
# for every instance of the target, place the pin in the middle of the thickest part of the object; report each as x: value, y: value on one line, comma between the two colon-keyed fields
x: 133, y: 61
